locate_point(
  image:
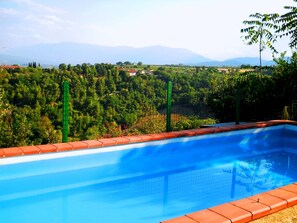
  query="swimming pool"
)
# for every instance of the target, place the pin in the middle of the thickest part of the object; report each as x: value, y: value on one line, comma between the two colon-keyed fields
x: 146, y: 182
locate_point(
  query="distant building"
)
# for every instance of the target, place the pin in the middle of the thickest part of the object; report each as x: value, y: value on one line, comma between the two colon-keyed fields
x: 148, y: 72
x: 231, y: 69
x: 10, y: 67
x: 132, y: 72
x: 224, y: 70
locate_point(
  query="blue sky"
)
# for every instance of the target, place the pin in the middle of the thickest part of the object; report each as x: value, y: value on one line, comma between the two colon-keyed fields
x: 208, y: 27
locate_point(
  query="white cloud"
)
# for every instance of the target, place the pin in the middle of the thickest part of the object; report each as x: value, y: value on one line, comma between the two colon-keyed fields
x: 47, y: 21
x: 8, y: 12
x: 37, y: 36
x: 38, y: 6
x: 32, y: 13
x: 53, y: 18
x: 12, y: 35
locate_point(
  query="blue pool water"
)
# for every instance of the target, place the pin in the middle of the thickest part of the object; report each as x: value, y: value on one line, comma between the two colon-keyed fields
x: 146, y: 182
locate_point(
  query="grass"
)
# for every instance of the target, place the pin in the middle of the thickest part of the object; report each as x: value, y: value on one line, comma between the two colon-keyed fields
x: 288, y: 215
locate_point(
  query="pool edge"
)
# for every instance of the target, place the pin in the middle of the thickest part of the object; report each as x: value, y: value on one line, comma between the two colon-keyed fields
x: 244, y: 210
x: 90, y: 144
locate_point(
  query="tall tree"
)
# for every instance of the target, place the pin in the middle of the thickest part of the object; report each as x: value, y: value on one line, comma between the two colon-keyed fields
x: 288, y: 25
x: 260, y: 31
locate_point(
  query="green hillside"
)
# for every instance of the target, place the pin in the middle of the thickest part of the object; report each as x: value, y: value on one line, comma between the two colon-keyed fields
x: 106, y: 101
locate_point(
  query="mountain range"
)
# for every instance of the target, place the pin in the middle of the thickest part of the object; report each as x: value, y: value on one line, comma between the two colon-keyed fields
x: 78, y: 53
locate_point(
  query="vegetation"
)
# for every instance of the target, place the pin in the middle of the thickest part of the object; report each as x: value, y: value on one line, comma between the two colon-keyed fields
x: 263, y: 96
x: 266, y: 29
x: 106, y: 101
x: 260, y: 30
x: 287, y: 25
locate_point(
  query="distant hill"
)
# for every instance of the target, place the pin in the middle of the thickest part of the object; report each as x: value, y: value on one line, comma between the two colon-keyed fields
x: 236, y: 62
x: 10, y: 60
x: 78, y: 53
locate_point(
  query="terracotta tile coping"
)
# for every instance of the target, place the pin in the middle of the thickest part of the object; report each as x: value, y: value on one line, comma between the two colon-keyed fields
x: 240, y: 211
x: 89, y: 144
x: 244, y: 210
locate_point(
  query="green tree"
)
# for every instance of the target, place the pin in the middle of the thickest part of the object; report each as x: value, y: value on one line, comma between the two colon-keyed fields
x: 288, y: 24
x: 3, y: 106
x: 120, y: 64
x: 62, y: 66
x: 260, y: 31
x: 127, y: 63
x: 285, y: 80
x: 48, y: 132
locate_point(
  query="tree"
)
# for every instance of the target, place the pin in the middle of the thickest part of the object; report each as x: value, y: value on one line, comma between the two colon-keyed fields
x: 69, y: 67
x: 127, y: 63
x: 120, y: 64
x: 288, y: 24
x: 260, y: 30
x: 283, y: 25
x: 62, y: 66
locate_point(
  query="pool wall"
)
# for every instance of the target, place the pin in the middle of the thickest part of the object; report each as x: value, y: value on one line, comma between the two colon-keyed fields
x: 243, y: 210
